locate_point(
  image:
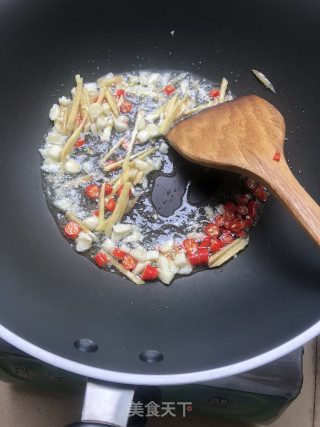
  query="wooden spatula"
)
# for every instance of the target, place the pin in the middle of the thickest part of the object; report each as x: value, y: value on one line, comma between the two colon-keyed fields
x: 242, y: 136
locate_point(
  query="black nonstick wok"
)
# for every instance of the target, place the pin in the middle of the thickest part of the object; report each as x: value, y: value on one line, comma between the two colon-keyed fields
x: 58, y: 306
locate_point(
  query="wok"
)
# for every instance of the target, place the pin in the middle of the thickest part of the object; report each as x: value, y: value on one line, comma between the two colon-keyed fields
x: 58, y: 306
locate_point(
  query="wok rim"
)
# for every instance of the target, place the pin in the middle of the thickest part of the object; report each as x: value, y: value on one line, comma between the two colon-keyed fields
x: 163, y: 379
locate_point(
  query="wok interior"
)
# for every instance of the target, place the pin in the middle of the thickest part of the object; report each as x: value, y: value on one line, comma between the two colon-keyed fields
x: 52, y: 296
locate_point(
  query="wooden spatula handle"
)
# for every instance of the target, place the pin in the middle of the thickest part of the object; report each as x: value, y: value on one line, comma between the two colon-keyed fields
x: 297, y: 201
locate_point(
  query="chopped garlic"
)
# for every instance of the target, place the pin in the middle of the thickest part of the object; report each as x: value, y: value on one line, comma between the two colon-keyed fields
x: 121, y: 123
x: 50, y: 165
x: 123, y: 229
x: 181, y: 260
x: 165, y: 79
x: 156, y: 163
x: 106, y: 107
x: 209, y: 212
x: 116, y: 237
x: 64, y: 101
x: 184, y: 87
x: 54, y: 152
x: 91, y: 222
x: 43, y: 152
x: 142, y: 136
x: 164, y: 148
x: 125, y: 248
x: 173, y: 267
x: 152, y: 255
x: 87, y: 166
x: 141, y: 165
x: 108, y: 76
x: 72, y: 166
x: 101, y: 122
x: 154, y: 78
x: 92, y: 88
x: 94, y: 129
x: 185, y: 270
x: 54, y: 112
x: 63, y: 204
x: 55, y: 138
x: 220, y: 209
x: 166, y: 276
x: 141, y: 123
x: 95, y: 110
x: 144, y: 183
x: 143, y: 78
x: 133, y: 80
x: 108, y: 245
x: 152, y: 129
x: 83, y: 241
x: 195, y: 236
x: 139, y: 254
x: 134, y: 237
x: 167, y: 246
x: 163, y: 262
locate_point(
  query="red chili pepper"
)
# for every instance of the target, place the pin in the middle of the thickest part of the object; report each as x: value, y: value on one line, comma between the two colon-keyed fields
x: 216, y: 245
x: 120, y: 189
x: 111, y: 162
x: 108, y: 189
x: 96, y: 213
x: 243, y: 199
x: 120, y: 92
x: 125, y: 107
x: 190, y: 245
x: 100, y: 259
x: 79, y: 143
x: 212, y: 230
x: 110, y: 205
x: 93, y: 191
x: 229, y: 206
x: 150, y: 273
x: 78, y: 119
x: 248, y: 222
x: 193, y: 258
x: 169, y: 89
x: 214, y: 93
x: 238, y: 216
x: 236, y: 225
x: 226, y: 230
x: 251, y: 183
x: 206, y: 242
x: 226, y: 238
x: 228, y: 216
x: 241, y: 234
x: 125, y: 144
x: 277, y: 156
x: 72, y: 230
x: 226, y: 225
x: 118, y: 253
x: 242, y: 209
x: 260, y: 193
x: 252, y: 209
x: 129, y: 262
x: 203, y: 254
x: 219, y: 220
